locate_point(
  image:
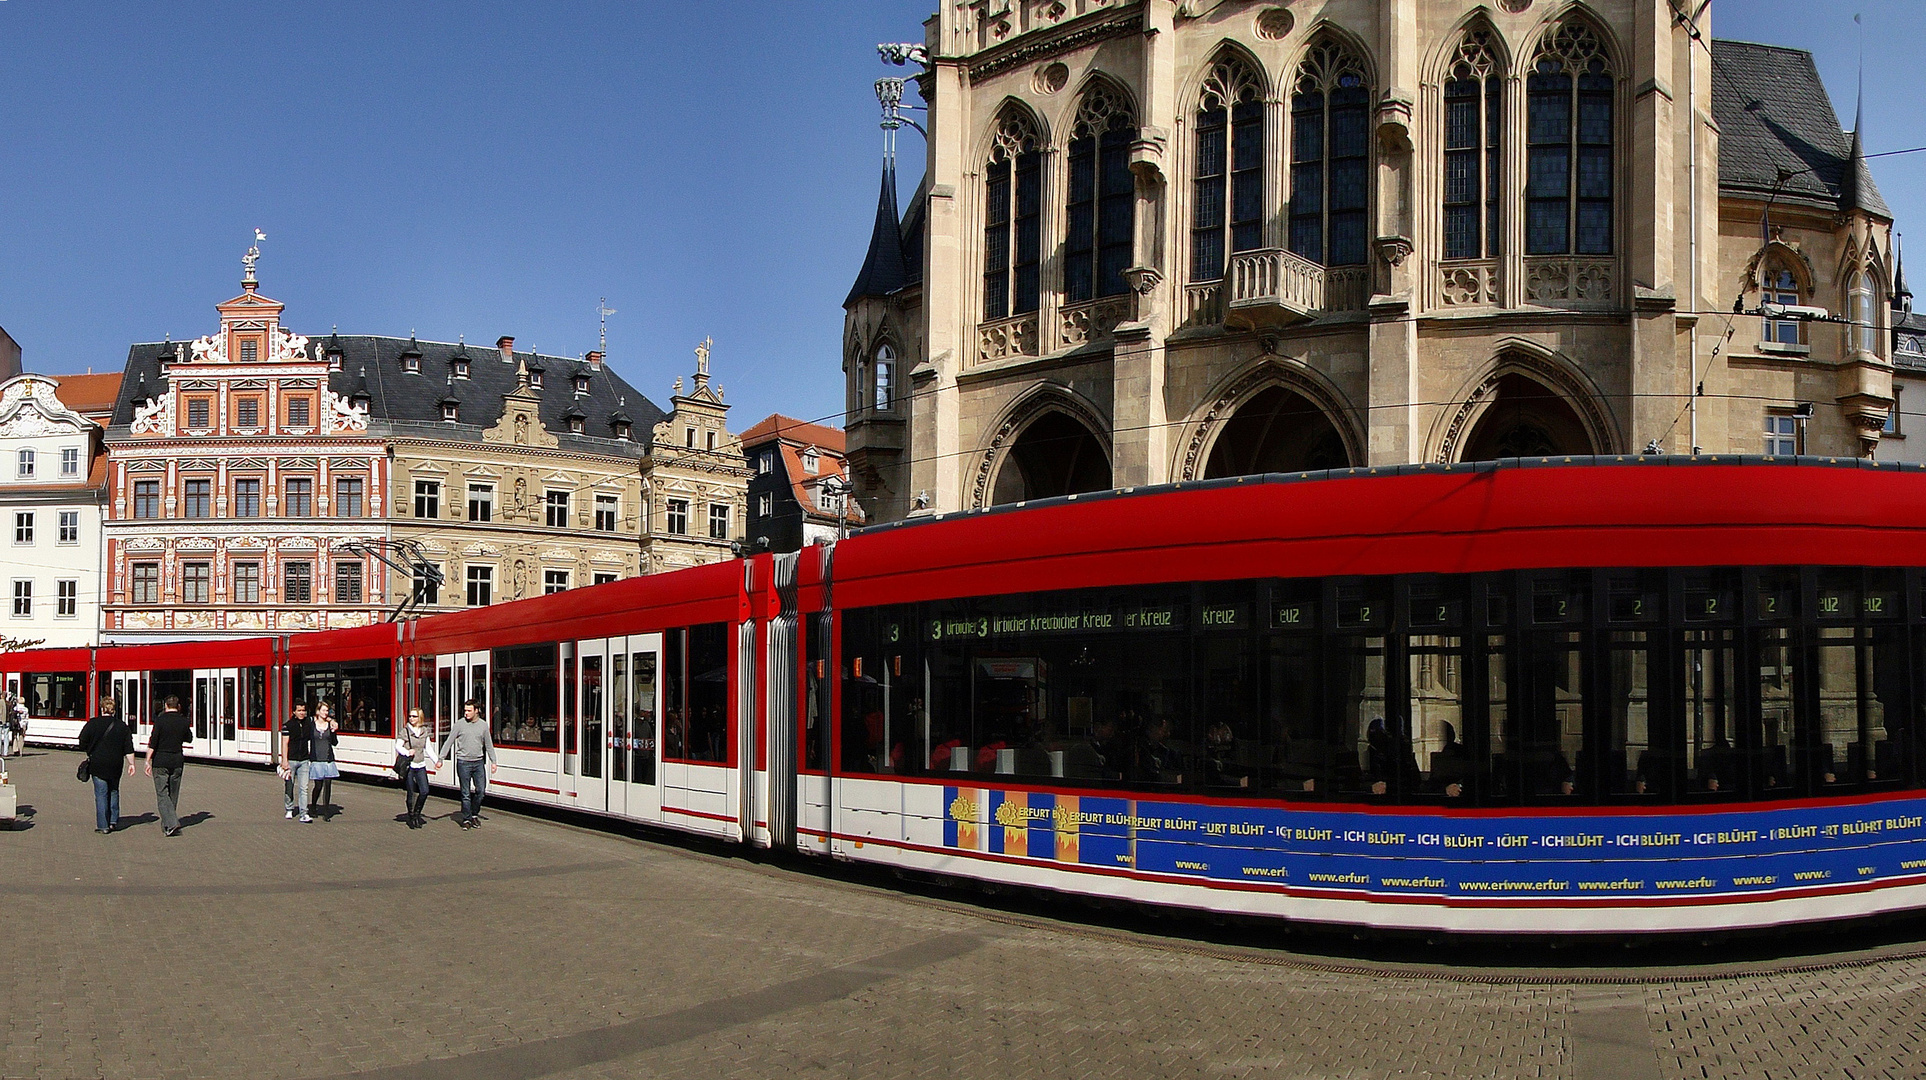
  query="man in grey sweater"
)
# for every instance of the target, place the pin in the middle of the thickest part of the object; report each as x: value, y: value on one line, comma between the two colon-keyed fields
x: 469, y: 745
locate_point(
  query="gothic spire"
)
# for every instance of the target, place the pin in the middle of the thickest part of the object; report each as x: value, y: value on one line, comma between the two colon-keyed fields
x: 884, y: 268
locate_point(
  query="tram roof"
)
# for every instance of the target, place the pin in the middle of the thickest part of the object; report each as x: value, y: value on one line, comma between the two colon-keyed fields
x: 1515, y: 513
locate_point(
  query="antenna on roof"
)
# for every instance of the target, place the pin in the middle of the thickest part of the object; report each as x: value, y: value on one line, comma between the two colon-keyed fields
x: 603, y: 309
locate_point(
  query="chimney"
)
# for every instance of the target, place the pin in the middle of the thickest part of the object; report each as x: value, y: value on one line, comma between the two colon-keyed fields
x: 595, y: 360
x: 507, y: 346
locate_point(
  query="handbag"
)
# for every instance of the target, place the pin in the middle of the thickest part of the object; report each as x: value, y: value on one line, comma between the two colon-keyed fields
x: 85, y: 771
x: 401, y: 765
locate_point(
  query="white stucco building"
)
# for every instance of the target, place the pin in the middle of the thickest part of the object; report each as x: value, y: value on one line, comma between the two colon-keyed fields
x: 52, y: 484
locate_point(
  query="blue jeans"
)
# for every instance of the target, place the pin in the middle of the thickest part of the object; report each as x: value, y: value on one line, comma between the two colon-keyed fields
x: 471, y: 775
x: 106, y: 803
x: 295, y: 797
x: 417, y: 789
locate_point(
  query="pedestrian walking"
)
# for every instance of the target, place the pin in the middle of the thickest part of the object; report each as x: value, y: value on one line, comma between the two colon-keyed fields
x: 469, y: 746
x: 108, y: 744
x: 166, y: 762
x: 321, y: 765
x: 417, y: 744
x: 297, y: 743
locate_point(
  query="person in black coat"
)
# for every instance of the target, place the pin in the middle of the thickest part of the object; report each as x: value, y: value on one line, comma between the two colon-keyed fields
x: 109, y: 746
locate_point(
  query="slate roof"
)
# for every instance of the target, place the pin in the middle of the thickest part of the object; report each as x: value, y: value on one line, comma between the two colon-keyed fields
x: 1773, y: 113
x: 403, y: 403
x: 895, y: 257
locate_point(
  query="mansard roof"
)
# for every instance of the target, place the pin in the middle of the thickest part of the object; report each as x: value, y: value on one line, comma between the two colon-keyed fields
x: 1774, y: 115
x: 405, y: 403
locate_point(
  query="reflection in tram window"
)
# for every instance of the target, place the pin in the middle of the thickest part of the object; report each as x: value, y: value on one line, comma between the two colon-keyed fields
x: 1712, y: 759
x: 708, y: 706
x: 619, y: 712
x: 570, y: 731
x: 55, y: 693
x: 675, y: 721
x: 1437, y: 711
x: 525, y: 706
x: 592, y: 715
x: 642, y: 719
x: 254, y: 699
x: 1630, y: 767
x: 358, y: 693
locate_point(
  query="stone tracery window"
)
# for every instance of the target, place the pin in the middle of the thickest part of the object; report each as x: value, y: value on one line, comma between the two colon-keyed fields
x: 1330, y: 156
x: 1227, y: 196
x: 1568, y: 183
x: 884, y: 386
x: 1861, y: 309
x: 1102, y: 200
x: 1012, y: 219
x: 1778, y: 285
x: 1474, y: 124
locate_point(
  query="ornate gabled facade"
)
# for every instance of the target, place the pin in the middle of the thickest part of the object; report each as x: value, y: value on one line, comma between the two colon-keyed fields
x: 1159, y: 241
x: 694, y: 480
x: 52, y: 490
x: 265, y: 481
x: 239, y: 473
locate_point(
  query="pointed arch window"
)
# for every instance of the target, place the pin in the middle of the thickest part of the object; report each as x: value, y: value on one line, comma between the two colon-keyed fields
x: 1330, y: 156
x: 1474, y: 139
x: 1227, y: 198
x: 1862, y: 310
x: 885, y: 389
x: 1568, y: 182
x: 1778, y: 286
x: 1013, y: 219
x: 1103, y: 197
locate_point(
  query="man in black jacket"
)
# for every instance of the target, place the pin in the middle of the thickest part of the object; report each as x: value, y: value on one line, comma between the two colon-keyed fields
x: 107, y: 742
x: 170, y: 736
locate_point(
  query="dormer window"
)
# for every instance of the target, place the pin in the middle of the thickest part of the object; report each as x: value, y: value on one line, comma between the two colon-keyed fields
x: 461, y: 369
x: 250, y: 351
x: 581, y: 384
x: 811, y: 461
x: 622, y: 429
x: 409, y: 364
x: 576, y: 425
x: 334, y: 360
x: 535, y: 379
x: 450, y: 410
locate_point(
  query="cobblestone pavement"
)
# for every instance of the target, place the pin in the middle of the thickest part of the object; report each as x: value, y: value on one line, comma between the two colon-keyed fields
x: 251, y: 946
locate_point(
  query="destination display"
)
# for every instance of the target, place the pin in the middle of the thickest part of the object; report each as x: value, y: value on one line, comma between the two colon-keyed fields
x: 1592, y: 856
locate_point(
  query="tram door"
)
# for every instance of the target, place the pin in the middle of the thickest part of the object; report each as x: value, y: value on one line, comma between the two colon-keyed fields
x: 216, y: 710
x: 129, y: 691
x: 459, y: 677
x: 620, y: 701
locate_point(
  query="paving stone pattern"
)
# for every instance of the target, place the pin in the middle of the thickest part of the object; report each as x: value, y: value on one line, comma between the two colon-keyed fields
x: 251, y: 946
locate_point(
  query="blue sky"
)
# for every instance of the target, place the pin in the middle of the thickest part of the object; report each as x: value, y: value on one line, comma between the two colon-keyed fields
x: 479, y: 168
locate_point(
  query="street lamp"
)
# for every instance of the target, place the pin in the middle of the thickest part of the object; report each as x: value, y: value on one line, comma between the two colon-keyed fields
x: 840, y: 489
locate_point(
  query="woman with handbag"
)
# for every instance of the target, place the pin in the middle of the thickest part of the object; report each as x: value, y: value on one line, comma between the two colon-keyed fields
x: 414, y: 756
x: 321, y: 764
x: 108, y: 744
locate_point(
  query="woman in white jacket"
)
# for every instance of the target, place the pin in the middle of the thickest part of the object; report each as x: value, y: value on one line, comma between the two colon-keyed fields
x: 417, y: 744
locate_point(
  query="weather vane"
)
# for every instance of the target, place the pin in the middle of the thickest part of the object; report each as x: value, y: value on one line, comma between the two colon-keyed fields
x: 603, y: 309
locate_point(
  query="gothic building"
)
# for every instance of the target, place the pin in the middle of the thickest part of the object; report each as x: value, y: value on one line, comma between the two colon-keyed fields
x: 1159, y: 241
x: 265, y: 481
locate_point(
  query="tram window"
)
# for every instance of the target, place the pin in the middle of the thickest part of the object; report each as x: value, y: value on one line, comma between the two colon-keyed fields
x: 55, y: 694
x: 254, y: 710
x: 1436, y: 711
x: 1558, y: 599
x: 1367, y: 748
x: 1499, y: 765
x: 526, y: 712
x: 1775, y: 595
x: 815, y: 691
x: 1885, y: 711
x: 1551, y: 721
x: 619, y: 713
x: 1774, y: 731
x: 1709, y: 681
x: 1711, y: 596
x: 708, y: 693
x: 1837, y: 743
x: 1301, y: 757
x: 592, y: 740
x: 358, y: 693
x: 570, y: 732
x: 1228, y: 730
x: 1630, y: 765
x: 675, y: 721
x: 1635, y: 597
x: 642, y: 719
x: 1880, y: 600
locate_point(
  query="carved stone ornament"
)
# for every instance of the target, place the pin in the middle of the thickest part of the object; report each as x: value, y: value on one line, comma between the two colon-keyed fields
x: 1048, y: 397
x: 1394, y: 250
x: 28, y: 409
x: 211, y: 349
x: 1051, y: 78
x: 341, y: 415
x: 288, y: 346
x: 1211, y: 421
x: 155, y: 417
x: 1274, y: 24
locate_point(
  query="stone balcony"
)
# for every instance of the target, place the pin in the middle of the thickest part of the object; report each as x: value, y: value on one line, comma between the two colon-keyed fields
x: 1273, y: 287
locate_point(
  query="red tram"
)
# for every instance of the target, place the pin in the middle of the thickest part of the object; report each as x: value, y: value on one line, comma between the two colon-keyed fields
x: 1589, y: 695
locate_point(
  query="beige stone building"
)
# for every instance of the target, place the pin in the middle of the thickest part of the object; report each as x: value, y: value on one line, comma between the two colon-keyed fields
x: 1159, y: 241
